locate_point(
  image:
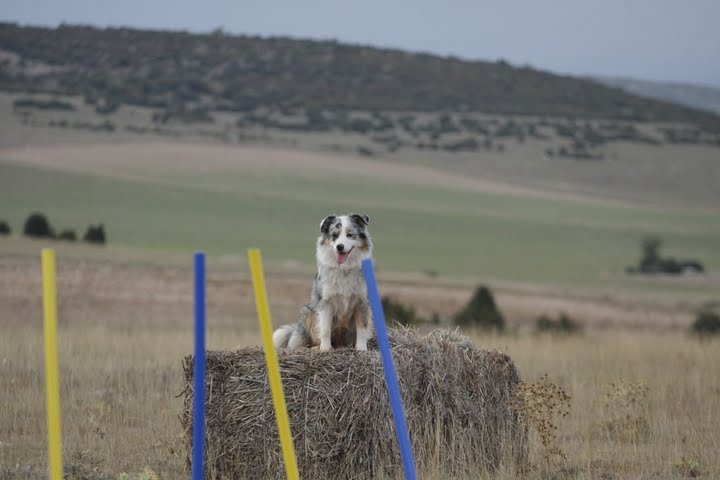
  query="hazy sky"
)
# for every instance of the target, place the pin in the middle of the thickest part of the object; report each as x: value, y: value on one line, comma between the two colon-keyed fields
x: 675, y: 40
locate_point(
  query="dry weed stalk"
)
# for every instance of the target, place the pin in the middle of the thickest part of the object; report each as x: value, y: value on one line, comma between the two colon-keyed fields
x: 543, y: 403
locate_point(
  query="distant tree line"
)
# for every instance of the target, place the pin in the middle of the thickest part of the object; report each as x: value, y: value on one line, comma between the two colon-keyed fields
x: 37, y: 226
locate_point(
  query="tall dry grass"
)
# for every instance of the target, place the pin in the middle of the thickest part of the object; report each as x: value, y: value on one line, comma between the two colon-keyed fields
x: 124, y: 331
x: 643, y: 404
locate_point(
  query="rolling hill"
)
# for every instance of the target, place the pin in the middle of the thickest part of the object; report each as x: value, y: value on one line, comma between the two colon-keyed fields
x: 185, y: 71
x: 704, y: 97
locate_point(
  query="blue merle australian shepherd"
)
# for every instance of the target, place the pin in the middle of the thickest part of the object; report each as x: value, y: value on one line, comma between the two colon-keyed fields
x: 338, y: 314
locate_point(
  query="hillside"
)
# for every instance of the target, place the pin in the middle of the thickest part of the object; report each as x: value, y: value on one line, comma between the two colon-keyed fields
x: 180, y: 71
x: 703, y: 97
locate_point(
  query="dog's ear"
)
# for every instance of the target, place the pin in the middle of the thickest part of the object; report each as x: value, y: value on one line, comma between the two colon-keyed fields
x: 325, y: 224
x: 362, y: 220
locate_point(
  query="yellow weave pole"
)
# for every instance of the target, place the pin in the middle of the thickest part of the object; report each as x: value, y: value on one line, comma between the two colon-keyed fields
x: 51, y: 364
x: 273, y: 368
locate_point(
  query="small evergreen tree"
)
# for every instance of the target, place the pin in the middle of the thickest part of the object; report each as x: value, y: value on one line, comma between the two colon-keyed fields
x: 4, y: 228
x: 95, y: 234
x: 706, y: 323
x: 651, y: 251
x: 397, y: 312
x: 37, y: 226
x: 481, y: 312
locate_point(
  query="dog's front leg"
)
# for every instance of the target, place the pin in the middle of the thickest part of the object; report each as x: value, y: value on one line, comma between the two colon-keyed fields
x: 325, y: 318
x: 364, y: 329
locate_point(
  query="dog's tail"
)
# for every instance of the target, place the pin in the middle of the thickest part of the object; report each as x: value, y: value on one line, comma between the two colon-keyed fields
x: 282, y: 335
x: 291, y: 336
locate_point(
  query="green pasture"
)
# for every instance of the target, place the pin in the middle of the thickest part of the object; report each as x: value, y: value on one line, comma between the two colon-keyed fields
x: 416, y: 228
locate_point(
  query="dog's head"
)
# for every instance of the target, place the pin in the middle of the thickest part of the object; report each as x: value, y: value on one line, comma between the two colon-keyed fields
x: 344, y: 240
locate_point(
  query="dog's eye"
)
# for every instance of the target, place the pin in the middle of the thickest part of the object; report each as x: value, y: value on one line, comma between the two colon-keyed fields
x: 351, y: 235
x: 334, y: 236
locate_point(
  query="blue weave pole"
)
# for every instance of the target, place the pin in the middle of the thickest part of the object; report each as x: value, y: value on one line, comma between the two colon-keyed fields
x: 389, y: 369
x: 198, y: 444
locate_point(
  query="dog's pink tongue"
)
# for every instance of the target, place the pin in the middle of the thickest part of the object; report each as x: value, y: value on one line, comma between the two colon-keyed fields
x: 342, y: 256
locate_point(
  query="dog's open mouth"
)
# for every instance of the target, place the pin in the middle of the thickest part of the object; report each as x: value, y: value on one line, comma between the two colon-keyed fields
x: 342, y: 256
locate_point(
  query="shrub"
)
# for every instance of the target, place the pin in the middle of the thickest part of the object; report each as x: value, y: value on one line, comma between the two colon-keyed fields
x: 315, y: 120
x: 669, y: 265
x: 67, y: 235
x: 95, y: 234
x: 706, y: 323
x: 564, y: 324
x: 43, y: 104
x: 183, y: 114
x: 445, y: 124
x: 4, y: 228
x: 468, y: 144
x: 397, y: 312
x: 652, y: 262
x: 37, y: 226
x: 358, y: 125
x: 688, y: 467
x: 367, y: 152
x: 107, y: 107
x: 84, y: 465
x: 509, y: 129
x: 693, y: 266
x: 481, y: 311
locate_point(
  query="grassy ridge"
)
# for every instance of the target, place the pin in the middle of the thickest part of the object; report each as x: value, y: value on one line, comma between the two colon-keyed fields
x: 190, y: 74
x: 416, y: 228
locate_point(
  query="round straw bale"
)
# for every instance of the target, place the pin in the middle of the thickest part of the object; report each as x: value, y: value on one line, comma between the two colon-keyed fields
x: 456, y: 400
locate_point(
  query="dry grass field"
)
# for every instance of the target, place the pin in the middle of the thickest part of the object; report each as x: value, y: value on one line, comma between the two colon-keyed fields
x: 125, y: 326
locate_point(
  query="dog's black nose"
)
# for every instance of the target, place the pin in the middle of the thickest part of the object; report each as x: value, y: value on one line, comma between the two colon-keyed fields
x: 340, y: 247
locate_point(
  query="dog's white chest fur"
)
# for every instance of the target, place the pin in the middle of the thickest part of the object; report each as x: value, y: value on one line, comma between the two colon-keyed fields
x: 342, y: 288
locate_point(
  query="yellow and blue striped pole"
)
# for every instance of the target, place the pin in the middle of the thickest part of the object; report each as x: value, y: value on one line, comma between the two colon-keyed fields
x: 273, y: 368
x: 51, y: 364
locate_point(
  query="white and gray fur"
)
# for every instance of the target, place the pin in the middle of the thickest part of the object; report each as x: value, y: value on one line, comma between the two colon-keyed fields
x: 338, y: 314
